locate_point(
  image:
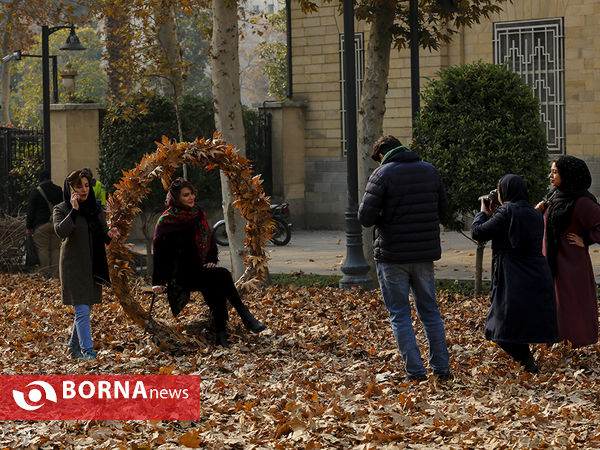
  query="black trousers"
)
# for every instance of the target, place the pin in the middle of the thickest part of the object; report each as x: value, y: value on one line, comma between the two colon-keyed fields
x: 519, y: 352
x: 217, y: 286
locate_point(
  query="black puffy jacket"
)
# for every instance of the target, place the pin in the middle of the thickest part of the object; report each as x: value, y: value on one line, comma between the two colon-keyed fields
x: 405, y: 200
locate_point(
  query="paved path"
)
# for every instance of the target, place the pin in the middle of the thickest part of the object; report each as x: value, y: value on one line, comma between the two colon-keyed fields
x: 322, y: 252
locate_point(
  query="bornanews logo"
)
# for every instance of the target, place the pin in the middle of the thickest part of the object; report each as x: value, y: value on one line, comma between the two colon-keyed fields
x: 99, y: 397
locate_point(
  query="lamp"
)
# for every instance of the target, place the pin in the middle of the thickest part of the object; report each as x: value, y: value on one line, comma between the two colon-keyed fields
x: 72, y: 43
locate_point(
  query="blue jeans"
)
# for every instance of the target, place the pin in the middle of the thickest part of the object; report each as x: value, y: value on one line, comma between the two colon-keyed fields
x: 81, y: 335
x: 396, y: 280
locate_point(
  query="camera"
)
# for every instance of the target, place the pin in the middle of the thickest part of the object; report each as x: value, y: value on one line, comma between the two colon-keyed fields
x: 491, y: 199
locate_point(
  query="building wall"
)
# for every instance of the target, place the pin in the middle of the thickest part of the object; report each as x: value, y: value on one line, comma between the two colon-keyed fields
x: 582, y: 64
x: 316, y: 78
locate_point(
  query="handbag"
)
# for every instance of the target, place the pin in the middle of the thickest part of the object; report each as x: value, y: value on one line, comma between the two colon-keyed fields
x: 31, y: 252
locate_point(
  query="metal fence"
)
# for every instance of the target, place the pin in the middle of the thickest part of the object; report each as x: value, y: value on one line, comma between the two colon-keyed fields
x: 260, y: 154
x: 21, y: 157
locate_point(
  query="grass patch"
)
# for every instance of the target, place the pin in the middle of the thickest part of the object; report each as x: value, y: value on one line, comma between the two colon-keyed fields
x: 466, y: 287
x: 305, y: 279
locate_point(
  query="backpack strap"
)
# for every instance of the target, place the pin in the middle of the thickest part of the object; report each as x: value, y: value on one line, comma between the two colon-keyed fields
x: 43, y: 194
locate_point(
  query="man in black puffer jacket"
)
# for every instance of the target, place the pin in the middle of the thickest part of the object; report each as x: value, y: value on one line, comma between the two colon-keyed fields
x: 405, y: 200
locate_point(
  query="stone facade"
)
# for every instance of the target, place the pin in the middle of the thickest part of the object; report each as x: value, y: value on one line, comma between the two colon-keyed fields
x: 316, y: 81
x: 74, y: 138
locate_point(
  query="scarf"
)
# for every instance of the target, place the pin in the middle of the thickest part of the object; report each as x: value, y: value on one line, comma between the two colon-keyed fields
x: 514, y: 195
x: 178, y: 217
x: 90, y: 209
x: 392, y: 152
x: 575, y: 182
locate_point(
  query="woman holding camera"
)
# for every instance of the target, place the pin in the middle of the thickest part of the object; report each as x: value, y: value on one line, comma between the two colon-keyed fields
x: 572, y: 218
x: 185, y: 260
x: 81, y: 224
x: 523, y: 308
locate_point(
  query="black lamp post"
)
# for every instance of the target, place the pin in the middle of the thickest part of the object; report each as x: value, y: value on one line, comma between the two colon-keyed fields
x: 355, y: 268
x: 71, y: 44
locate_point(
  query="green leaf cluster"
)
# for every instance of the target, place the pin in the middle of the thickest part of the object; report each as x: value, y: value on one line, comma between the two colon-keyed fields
x: 274, y: 55
x: 479, y: 122
x: 90, y: 83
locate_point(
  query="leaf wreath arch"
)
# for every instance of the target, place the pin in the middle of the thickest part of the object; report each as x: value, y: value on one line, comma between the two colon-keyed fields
x: 123, y: 206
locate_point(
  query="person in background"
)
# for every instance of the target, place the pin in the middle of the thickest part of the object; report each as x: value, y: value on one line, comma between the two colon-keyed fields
x: 97, y: 187
x: 185, y: 259
x: 523, y: 308
x: 81, y: 223
x: 405, y: 199
x: 39, y: 222
x: 572, y: 219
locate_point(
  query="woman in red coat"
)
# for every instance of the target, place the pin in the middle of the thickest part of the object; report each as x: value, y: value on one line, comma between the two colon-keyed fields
x: 572, y: 223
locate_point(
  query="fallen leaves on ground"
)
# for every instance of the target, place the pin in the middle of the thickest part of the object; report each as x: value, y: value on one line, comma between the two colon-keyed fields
x: 325, y: 375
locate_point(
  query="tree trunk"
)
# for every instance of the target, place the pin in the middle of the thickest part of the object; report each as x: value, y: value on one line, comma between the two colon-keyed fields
x: 117, y: 51
x: 5, y: 93
x: 228, y: 115
x: 372, y: 107
x: 479, y: 267
x: 169, y: 44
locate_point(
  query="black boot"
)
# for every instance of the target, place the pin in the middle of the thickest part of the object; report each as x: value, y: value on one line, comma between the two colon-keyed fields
x: 221, y: 339
x: 529, y: 365
x: 250, y: 322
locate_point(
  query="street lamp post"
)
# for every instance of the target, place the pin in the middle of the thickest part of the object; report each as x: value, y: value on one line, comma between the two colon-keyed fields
x: 355, y: 268
x: 71, y: 44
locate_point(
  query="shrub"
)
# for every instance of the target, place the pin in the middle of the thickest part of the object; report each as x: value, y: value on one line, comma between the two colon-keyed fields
x: 479, y: 122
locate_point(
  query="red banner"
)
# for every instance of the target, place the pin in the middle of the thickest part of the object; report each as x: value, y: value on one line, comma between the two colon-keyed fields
x: 99, y: 397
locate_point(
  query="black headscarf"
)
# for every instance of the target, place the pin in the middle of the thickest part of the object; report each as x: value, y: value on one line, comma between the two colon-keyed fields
x: 514, y: 196
x: 90, y: 209
x: 575, y: 182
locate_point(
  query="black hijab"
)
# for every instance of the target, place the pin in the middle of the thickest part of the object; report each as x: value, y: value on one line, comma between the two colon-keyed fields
x: 575, y: 182
x: 90, y: 209
x: 514, y: 196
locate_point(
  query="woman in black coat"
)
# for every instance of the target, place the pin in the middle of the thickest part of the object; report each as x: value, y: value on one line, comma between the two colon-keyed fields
x: 185, y: 260
x: 523, y: 308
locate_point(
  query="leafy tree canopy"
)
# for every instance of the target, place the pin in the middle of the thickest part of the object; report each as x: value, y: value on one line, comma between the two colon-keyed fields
x: 274, y: 54
x: 90, y: 83
x: 438, y: 19
x: 479, y: 122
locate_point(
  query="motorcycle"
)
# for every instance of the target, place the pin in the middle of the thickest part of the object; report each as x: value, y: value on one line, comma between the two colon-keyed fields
x: 282, y: 232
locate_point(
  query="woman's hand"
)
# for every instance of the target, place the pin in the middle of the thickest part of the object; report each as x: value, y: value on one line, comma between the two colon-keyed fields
x: 541, y: 206
x: 575, y: 239
x: 159, y: 289
x: 485, y: 208
x: 75, y: 200
x: 210, y: 265
x: 113, y: 233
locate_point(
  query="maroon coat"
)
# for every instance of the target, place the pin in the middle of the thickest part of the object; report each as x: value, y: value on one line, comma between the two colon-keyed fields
x: 574, y: 283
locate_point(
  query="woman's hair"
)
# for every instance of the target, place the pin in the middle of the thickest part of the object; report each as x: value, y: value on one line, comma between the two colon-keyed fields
x: 383, y: 145
x: 74, y: 178
x: 177, y: 186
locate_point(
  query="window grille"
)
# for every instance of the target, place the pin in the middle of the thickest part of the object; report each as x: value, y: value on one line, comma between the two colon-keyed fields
x: 535, y: 50
x: 359, y: 62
